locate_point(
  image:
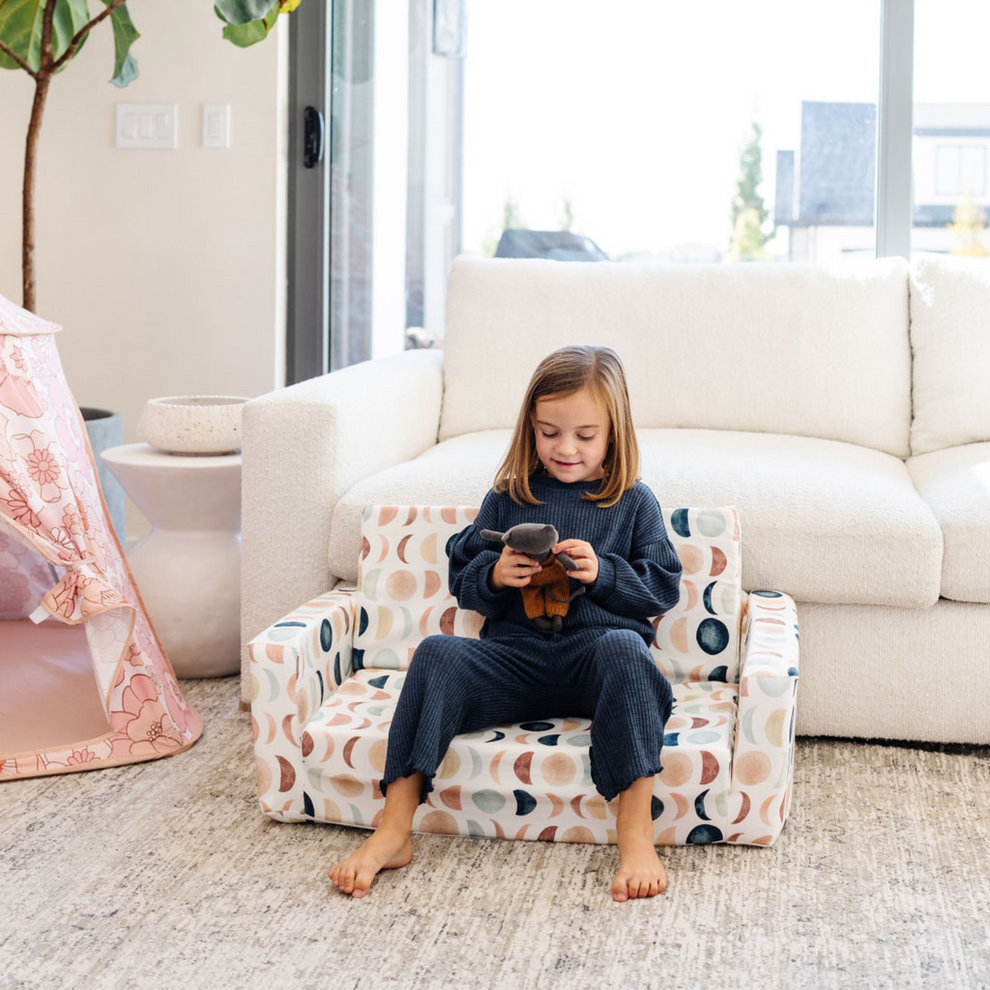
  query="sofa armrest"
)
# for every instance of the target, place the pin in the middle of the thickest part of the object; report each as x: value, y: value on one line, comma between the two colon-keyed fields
x: 303, y: 448
x: 763, y: 749
x: 295, y: 664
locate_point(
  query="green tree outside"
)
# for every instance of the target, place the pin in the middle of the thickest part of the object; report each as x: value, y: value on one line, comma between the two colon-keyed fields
x: 511, y: 217
x: 748, y: 239
x: 567, y: 223
x: 749, y: 213
x: 969, y: 220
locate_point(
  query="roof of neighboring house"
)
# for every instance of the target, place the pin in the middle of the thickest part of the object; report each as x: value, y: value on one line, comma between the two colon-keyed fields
x: 837, y: 163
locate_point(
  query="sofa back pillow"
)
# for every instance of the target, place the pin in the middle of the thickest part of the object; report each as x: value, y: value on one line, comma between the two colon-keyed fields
x: 402, y: 594
x: 804, y: 349
x: 950, y: 337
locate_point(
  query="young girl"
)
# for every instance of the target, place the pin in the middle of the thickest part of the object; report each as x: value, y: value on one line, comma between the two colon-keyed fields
x: 573, y: 462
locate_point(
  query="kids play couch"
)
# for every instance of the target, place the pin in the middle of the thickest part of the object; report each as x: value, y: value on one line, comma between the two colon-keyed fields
x: 844, y: 411
x: 324, y: 681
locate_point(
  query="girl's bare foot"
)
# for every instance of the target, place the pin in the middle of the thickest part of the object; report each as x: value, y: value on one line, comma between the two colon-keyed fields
x: 384, y: 849
x: 640, y: 873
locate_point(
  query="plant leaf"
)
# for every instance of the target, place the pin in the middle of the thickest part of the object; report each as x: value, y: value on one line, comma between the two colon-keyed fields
x: 245, y: 35
x: 16, y: 25
x: 79, y: 47
x: 242, y: 11
x: 125, y: 68
x: 21, y: 22
x: 127, y: 72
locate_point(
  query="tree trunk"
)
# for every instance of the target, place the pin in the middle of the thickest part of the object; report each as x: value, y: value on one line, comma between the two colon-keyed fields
x: 30, y: 158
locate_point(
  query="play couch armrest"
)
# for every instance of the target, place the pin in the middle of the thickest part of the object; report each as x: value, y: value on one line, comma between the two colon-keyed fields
x: 295, y: 664
x: 303, y: 448
x: 763, y: 750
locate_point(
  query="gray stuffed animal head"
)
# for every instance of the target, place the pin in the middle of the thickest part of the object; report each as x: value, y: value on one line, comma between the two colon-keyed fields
x: 532, y: 539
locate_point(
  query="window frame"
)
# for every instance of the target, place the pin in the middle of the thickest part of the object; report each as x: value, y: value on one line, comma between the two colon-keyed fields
x: 895, y: 112
x: 307, y: 342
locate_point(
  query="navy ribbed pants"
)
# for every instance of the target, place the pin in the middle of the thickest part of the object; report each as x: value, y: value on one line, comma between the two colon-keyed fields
x: 455, y: 684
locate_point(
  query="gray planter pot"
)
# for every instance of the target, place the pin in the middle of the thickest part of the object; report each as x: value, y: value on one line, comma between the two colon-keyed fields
x: 106, y: 429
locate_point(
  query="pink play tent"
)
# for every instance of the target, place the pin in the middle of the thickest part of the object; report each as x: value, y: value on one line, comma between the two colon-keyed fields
x: 84, y: 682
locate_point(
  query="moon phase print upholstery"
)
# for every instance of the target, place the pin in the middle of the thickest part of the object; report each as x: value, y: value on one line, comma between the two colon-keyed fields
x: 325, y: 680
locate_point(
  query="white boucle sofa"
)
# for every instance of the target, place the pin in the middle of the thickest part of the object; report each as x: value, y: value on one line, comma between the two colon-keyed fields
x: 844, y: 411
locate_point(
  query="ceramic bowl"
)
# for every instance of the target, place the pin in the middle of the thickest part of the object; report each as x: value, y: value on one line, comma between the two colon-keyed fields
x: 193, y: 424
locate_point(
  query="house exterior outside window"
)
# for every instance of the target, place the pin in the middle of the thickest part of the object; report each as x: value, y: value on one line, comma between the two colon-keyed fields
x: 825, y: 188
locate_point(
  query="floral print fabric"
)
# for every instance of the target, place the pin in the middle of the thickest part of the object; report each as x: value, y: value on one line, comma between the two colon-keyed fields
x: 60, y: 558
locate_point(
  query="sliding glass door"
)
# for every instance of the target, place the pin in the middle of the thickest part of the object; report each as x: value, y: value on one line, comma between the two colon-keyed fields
x: 395, y: 162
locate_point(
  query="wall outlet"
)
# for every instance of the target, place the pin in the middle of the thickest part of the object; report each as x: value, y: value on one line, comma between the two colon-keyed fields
x: 216, y: 125
x: 147, y: 125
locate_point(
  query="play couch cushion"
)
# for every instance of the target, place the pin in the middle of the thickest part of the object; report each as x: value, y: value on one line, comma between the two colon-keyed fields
x: 402, y: 594
x: 950, y: 337
x: 826, y: 521
x: 955, y: 482
x: 492, y: 782
x: 811, y: 350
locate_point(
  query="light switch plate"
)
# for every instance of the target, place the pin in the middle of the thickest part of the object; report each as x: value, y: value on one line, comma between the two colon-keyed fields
x: 216, y: 125
x: 147, y: 125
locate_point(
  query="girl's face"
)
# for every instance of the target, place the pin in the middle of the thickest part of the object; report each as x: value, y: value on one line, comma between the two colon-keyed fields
x: 572, y: 436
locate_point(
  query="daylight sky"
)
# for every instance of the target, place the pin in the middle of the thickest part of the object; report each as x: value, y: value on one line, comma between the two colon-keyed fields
x: 637, y: 110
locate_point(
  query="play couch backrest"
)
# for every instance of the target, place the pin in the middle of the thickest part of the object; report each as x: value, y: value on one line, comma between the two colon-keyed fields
x: 803, y: 349
x: 403, y: 597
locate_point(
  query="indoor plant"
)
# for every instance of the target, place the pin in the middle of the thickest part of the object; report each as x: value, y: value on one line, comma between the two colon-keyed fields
x: 41, y: 37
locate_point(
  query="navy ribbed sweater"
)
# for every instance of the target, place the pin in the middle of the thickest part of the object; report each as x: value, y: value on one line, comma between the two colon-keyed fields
x: 638, y: 569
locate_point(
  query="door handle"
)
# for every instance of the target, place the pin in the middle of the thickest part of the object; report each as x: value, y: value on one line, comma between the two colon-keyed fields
x: 313, y: 137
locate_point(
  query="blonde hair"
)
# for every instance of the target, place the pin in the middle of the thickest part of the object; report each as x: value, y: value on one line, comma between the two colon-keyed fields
x: 559, y: 375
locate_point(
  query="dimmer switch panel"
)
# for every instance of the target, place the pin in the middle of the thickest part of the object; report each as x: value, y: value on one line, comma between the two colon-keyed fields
x: 216, y: 125
x: 147, y: 125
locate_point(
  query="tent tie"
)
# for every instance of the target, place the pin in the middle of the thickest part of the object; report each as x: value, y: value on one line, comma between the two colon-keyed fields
x: 41, y: 613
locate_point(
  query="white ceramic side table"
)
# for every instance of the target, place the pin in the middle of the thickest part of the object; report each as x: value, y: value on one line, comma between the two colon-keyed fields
x: 187, y: 569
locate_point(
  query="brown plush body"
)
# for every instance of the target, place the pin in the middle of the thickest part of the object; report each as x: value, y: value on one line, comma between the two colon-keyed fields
x: 547, y: 596
x: 548, y: 593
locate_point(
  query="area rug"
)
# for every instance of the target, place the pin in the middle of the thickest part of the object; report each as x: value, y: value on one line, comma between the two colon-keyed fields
x: 164, y: 875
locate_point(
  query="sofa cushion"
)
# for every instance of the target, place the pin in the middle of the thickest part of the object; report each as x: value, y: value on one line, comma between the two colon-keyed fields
x: 791, y: 348
x: 950, y: 338
x: 955, y: 482
x: 496, y: 781
x: 821, y: 520
x: 457, y: 472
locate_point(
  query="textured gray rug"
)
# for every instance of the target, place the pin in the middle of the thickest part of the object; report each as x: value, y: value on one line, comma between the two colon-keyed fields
x: 165, y: 874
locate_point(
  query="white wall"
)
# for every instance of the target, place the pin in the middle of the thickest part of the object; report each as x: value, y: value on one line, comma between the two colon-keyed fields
x: 166, y: 268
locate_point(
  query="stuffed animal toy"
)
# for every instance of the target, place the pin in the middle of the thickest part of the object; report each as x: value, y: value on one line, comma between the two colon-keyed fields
x: 546, y: 598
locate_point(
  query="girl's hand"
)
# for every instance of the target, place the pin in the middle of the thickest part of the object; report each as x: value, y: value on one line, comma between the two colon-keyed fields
x: 513, y: 570
x: 583, y: 555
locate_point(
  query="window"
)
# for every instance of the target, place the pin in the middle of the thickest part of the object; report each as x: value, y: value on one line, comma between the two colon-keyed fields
x: 951, y: 128
x: 602, y: 122
x: 394, y: 174
x: 960, y: 169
